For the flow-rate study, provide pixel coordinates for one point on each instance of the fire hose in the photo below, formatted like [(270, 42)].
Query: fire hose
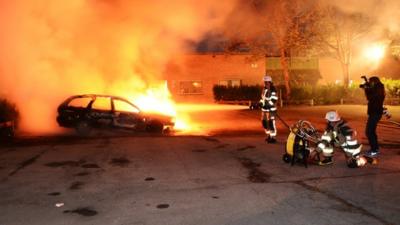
[(297, 145), (302, 129)]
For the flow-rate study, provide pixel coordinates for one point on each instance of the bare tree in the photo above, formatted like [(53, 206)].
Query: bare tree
[(290, 24), (281, 28), (338, 33)]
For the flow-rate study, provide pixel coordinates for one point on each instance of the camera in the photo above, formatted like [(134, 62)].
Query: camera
[(366, 83)]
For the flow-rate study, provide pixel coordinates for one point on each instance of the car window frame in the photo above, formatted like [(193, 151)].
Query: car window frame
[(126, 101), (68, 104), (102, 110)]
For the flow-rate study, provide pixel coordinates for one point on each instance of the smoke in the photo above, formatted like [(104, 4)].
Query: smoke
[(383, 29), (384, 13), (53, 49)]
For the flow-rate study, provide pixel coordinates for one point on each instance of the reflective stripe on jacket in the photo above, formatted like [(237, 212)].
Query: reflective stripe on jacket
[(269, 99)]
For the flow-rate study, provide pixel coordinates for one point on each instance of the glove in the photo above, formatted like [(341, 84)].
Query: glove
[(321, 145), (261, 103), (386, 113)]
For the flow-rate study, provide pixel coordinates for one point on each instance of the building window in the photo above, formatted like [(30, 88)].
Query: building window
[(230, 83), (191, 87)]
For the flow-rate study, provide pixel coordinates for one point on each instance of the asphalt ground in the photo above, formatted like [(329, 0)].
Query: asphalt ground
[(226, 175)]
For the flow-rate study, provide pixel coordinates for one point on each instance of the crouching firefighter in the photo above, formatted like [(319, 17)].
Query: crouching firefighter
[(339, 134), (268, 102)]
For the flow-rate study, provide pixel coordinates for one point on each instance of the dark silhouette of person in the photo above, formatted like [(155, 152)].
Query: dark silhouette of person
[(375, 93)]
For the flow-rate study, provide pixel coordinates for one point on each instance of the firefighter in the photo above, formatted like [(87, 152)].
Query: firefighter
[(339, 134), (268, 102)]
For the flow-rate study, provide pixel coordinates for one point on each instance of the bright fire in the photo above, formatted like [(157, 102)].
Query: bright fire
[(189, 118), (158, 99), (52, 50), (375, 52)]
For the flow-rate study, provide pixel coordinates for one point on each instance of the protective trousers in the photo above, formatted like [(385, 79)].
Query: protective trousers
[(268, 122)]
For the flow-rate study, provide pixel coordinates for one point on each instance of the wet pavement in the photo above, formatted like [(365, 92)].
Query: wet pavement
[(230, 176)]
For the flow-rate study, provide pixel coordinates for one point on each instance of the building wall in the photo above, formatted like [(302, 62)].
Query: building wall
[(207, 70), (301, 70), (191, 78), (330, 70)]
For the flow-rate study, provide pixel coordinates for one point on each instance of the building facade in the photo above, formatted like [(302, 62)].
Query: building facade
[(191, 78)]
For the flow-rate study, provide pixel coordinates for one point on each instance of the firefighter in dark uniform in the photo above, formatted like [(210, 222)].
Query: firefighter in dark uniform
[(339, 134), (268, 102), (375, 93)]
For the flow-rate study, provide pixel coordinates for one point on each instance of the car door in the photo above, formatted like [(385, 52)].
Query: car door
[(73, 110), (101, 111), (125, 114)]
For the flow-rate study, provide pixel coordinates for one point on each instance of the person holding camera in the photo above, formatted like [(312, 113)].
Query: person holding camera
[(375, 93)]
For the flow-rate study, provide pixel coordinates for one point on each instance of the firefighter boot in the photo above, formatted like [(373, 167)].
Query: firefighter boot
[(270, 139), (326, 161)]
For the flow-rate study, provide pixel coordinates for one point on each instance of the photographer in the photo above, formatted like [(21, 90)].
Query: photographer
[(375, 93)]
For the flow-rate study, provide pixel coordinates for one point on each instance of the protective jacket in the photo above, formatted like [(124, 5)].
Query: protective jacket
[(340, 135), (269, 99)]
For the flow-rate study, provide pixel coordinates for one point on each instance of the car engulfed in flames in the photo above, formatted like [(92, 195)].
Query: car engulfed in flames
[(85, 112)]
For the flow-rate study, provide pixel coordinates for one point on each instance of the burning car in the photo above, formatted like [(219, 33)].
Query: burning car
[(84, 112)]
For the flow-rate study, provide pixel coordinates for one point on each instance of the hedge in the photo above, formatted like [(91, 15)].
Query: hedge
[(321, 94)]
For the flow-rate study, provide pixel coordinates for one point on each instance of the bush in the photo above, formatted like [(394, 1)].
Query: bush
[(355, 94), (329, 94), (8, 111), (322, 94), (301, 92), (392, 88)]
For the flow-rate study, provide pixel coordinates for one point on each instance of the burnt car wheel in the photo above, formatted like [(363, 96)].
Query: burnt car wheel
[(83, 128), (155, 127)]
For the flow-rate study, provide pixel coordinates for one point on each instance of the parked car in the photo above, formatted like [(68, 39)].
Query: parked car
[(9, 118), (6, 129), (84, 112)]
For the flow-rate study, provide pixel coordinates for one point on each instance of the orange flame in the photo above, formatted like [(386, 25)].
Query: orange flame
[(51, 51), (158, 99)]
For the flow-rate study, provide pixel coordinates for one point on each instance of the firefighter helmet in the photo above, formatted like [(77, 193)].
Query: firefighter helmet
[(332, 116), (267, 78)]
